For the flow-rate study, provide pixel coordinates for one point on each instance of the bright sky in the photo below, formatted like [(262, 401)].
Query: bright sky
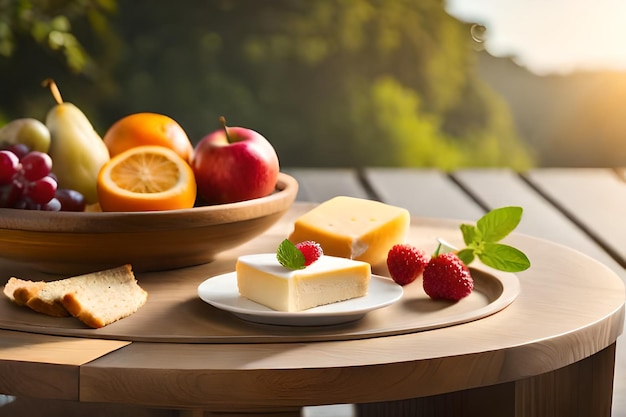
[(551, 36)]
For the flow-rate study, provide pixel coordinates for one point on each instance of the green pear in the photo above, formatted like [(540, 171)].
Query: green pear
[(27, 131), (76, 149)]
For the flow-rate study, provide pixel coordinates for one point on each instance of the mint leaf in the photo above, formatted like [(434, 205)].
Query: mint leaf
[(466, 255), (289, 256), (503, 257), (481, 241), (498, 223), (470, 234)]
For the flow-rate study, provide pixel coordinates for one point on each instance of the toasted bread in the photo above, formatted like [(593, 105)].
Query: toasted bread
[(20, 291), (104, 297), (97, 298)]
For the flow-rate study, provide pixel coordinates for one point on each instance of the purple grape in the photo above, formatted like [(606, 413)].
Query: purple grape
[(10, 194), (71, 200), (27, 183), (42, 190), (36, 165), (19, 149), (9, 165)]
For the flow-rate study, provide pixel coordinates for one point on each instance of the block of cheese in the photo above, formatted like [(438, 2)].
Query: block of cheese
[(262, 279), (353, 228)]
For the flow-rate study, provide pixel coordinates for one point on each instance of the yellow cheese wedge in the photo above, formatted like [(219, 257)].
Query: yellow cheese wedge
[(353, 228), (328, 280)]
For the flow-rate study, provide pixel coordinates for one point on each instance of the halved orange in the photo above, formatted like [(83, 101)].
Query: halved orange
[(146, 129), (146, 178)]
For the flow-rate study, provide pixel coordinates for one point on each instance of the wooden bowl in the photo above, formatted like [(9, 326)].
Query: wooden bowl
[(74, 243)]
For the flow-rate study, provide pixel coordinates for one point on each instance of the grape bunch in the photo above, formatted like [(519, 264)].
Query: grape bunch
[(27, 182)]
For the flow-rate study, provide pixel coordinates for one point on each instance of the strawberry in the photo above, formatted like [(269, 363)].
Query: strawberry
[(405, 263), (311, 250), (447, 277)]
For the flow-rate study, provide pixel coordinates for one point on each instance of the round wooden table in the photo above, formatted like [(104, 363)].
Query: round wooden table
[(547, 351)]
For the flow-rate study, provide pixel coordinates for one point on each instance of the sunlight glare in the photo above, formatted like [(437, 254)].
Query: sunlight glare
[(556, 36)]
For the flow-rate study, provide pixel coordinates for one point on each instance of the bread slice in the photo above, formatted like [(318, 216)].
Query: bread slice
[(48, 299), (101, 298), (20, 291), (97, 299)]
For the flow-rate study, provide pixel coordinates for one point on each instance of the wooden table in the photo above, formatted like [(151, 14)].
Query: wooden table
[(550, 353)]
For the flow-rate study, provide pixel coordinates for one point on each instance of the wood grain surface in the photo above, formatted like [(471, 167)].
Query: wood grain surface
[(47, 366)]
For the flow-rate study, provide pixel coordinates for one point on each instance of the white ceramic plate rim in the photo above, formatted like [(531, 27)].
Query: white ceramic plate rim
[(221, 292)]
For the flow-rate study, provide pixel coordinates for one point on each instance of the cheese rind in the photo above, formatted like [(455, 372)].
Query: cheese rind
[(353, 228), (262, 279)]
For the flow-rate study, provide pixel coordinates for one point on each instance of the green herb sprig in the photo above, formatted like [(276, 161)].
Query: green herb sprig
[(289, 255), (482, 241)]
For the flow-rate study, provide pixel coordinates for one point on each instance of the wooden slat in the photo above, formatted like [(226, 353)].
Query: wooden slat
[(319, 185), (594, 198), (46, 366), (498, 188), (424, 192), (55, 350)]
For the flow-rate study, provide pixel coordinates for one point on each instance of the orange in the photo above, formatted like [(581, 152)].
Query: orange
[(146, 178), (141, 129)]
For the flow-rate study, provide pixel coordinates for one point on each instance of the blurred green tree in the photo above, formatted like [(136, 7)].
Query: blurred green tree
[(47, 38), (329, 83)]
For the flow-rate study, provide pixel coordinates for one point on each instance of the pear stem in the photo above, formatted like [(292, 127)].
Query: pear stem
[(49, 82), (223, 122)]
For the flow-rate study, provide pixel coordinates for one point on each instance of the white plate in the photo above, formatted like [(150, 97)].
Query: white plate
[(221, 292)]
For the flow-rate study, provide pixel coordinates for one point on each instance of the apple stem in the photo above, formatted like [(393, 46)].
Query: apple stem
[(49, 82), (223, 122)]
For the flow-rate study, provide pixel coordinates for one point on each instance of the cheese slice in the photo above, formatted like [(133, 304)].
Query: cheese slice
[(262, 279), (353, 228)]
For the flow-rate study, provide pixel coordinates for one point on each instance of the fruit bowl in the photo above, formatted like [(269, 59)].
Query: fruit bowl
[(74, 243)]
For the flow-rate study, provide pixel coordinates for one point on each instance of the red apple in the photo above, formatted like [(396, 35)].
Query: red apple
[(234, 164)]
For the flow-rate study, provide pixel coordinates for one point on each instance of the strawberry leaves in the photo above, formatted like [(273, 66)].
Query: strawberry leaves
[(482, 241)]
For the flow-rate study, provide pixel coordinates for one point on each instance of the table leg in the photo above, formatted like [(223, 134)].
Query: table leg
[(583, 389), (489, 401)]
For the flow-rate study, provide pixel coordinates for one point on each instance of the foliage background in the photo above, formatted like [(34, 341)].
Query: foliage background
[(329, 83)]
